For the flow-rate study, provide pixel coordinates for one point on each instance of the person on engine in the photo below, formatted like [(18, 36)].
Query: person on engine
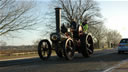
[(84, 25)]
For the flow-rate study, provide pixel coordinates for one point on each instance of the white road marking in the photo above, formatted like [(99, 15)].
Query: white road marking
[(116, 66)]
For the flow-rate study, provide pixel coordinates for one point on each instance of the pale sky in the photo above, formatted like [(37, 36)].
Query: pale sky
[(115, 13)]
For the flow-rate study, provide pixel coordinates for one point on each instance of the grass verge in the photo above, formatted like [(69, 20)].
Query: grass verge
[(27, 54)]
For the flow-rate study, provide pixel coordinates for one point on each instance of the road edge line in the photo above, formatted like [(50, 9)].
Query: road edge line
[(115, 66)]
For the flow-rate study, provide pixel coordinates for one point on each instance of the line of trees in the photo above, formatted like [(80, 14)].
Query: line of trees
[(105, 37)]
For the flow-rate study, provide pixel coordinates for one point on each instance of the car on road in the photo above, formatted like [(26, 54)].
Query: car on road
[(123, 46)]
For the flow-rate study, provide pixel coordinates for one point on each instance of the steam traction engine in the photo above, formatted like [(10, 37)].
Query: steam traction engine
[(65, 44)]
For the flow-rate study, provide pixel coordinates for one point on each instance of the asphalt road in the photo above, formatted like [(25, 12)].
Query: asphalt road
[(100, 61)]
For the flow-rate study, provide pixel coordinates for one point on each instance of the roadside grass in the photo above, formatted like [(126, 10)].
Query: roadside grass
[(10, 54), (13, 54), (102, 49), (19, 54)]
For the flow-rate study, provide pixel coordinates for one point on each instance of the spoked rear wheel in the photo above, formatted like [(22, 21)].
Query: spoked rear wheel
[(87, 46), (89, 43), (44, 49), (68, 49)]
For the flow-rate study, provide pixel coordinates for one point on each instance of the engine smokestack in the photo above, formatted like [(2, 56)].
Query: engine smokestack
[(58, 20)]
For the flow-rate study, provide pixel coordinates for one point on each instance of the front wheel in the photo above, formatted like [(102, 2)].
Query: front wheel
[(68, 49), (44, 49)]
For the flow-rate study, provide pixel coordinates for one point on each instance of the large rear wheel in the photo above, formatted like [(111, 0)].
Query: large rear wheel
[(44, 49), (87, 45)]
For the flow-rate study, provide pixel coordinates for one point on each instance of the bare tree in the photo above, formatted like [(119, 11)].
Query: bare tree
[(79, 10), (15, 16), (109, 37), (116, 39), (113, 37), (99, 33)]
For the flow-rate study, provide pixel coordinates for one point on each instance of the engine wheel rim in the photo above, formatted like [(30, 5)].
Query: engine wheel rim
[(89, 44), (69, 48), (44, 49)]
